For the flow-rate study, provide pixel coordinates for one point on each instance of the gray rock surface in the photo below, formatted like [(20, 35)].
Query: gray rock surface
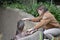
[(8, 22), (35, 36)]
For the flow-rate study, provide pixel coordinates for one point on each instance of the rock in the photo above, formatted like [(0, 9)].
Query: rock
[(1, 36), (8, 22), (35, 36)]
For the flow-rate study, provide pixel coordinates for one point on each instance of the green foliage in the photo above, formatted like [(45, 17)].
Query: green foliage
[(32, 9), (54, 10)]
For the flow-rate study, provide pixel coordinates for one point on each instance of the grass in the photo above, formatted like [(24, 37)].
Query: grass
[(41, 36)]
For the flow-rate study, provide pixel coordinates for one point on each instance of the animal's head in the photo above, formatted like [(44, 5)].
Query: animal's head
[(20, 25)]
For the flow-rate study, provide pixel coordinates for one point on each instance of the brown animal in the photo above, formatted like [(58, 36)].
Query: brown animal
[(47, 21)]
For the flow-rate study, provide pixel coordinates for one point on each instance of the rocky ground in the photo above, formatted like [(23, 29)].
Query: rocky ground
[(8, 22)]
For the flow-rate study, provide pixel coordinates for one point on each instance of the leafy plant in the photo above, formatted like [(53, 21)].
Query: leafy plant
[(32, 9), (54, 10)]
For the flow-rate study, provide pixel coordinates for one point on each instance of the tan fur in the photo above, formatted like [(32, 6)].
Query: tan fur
[(47, 21)]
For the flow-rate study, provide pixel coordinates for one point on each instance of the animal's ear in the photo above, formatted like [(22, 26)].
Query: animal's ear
[(20, 23)]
